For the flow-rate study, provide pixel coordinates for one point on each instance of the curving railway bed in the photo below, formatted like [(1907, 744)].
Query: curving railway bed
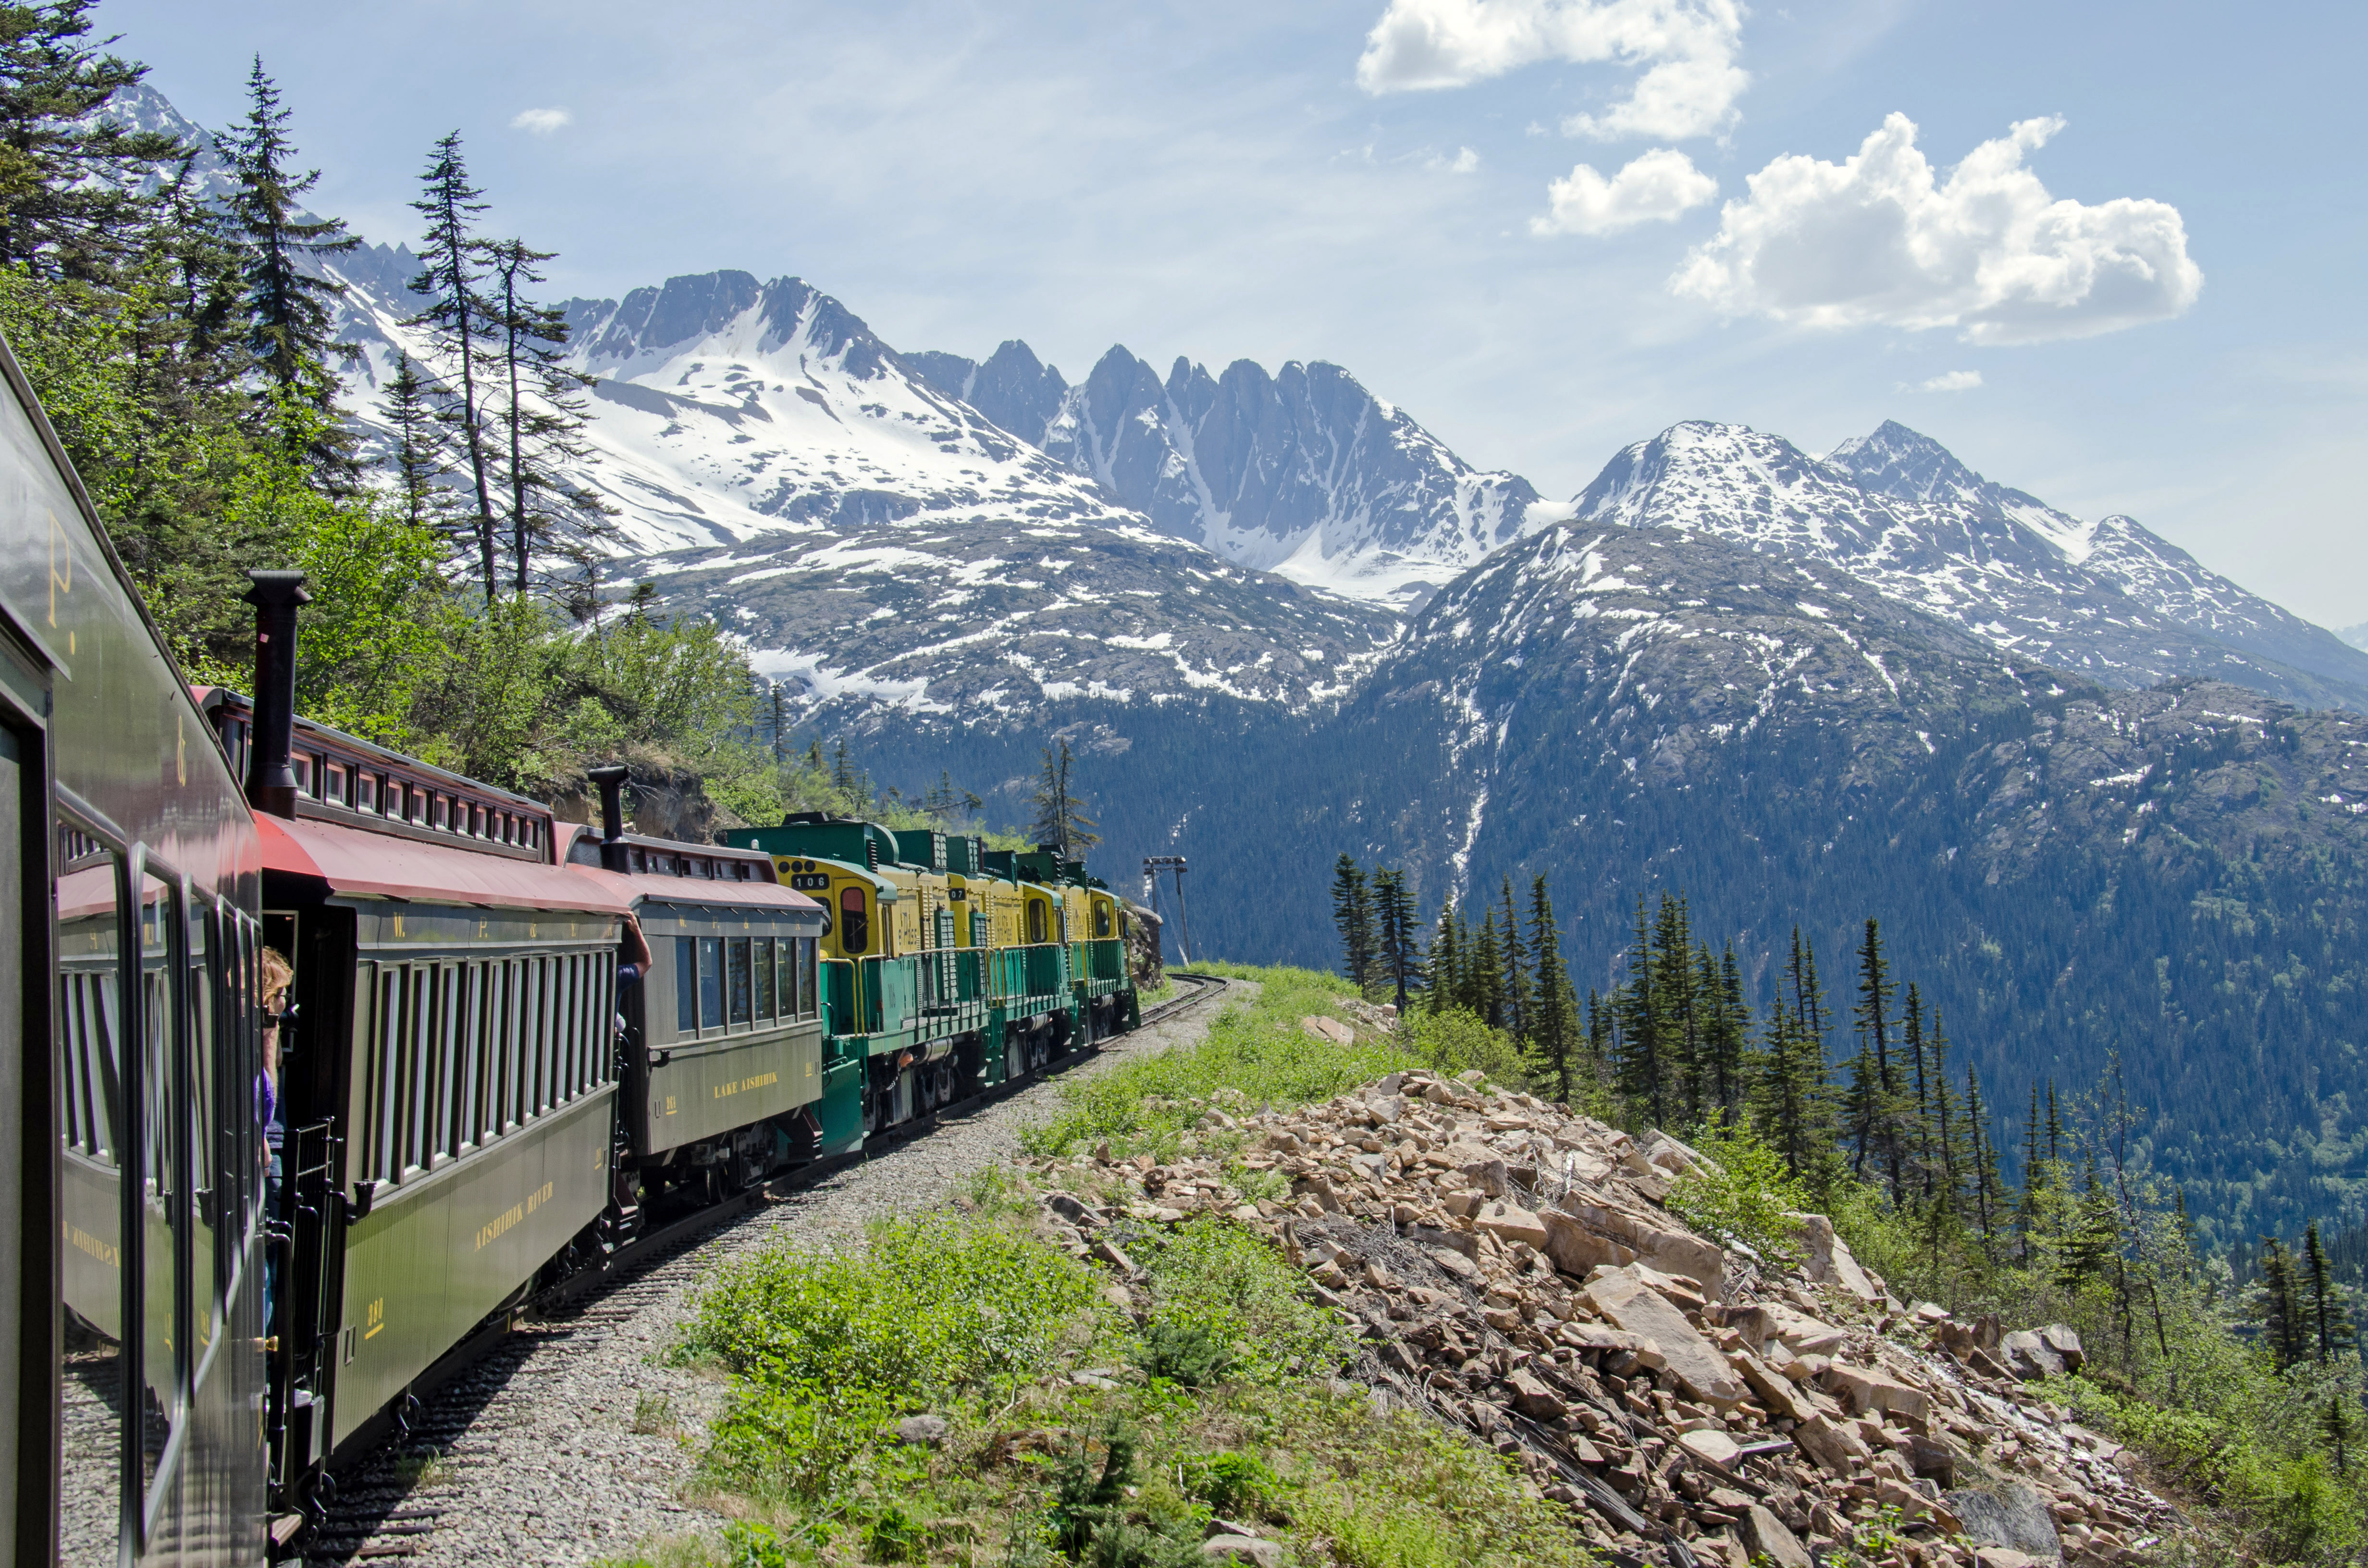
[(519, 1058)]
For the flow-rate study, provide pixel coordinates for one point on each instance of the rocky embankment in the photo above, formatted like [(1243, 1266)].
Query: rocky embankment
[(1516, 1274)]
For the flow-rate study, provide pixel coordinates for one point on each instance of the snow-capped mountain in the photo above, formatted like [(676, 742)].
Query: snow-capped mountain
[(2355, 635), (1304, 473), (1895, 510), (1897, 461)]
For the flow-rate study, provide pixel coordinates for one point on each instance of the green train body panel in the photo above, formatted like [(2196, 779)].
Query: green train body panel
[(439, 1251)]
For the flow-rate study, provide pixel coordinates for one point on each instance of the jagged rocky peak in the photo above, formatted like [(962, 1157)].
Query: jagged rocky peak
[(729, 310), (1012, 386)]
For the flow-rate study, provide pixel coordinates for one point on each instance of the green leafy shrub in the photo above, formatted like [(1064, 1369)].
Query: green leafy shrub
[(925, 1309), (1742, 1194), (1236, 1486), (1183, 1351), (1458, 1041), (1214, 1283)]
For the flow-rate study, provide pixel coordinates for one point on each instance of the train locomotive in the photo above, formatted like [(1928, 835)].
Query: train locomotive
[(513, 1045)]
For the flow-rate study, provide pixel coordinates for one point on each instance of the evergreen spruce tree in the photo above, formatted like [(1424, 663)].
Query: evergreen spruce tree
[(2286, 1330), (422, 454), (1602, 1043), (457, 312), (72, 202), (286, 300), (1789, 1094), (1989, 1190), (1059, 818), (1446, 961), (1730, 1032), (2094, 1234), (2035, 1174), (2339, 1427), (1400, 954), (540, 417), (1352, 916), (1487, 975), (2331, 1324), (1881, 1127), (1641, 1073), (1672, 984), (1553, 1039), (1514, 955)]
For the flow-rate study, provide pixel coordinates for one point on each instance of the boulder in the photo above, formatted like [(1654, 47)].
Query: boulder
[(1836, 1446), (1331, 1031), (2029, 1356), (1508, 1221), (1869, 1394), (1243, 1548), (1534, 1399), (1577, 1251), (2014, 1517), (2060, 1338), (1639, 1240), (1702, 1371), (1830, 1260), (1775, 1391), (1764, 1536), (930, 1430), (1714, 1446)]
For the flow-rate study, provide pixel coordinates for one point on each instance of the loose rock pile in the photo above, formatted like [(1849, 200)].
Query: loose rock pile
[(1516, 1274)]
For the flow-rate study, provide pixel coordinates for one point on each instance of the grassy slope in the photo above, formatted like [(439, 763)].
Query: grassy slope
[(1078, 1429)]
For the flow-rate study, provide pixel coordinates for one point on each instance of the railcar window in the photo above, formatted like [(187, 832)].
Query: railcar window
[(761, 951), (365, 791), (809, 998), (743, 995), (89, 982), (854, 926), (686, 987), (785, 976), (163, 1186), (539, 1015), (711, 982), (506, 1046), (571, 1070), (199, 1117), (418, 1051)]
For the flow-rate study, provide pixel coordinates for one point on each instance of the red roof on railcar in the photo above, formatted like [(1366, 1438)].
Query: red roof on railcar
[(374, 865)]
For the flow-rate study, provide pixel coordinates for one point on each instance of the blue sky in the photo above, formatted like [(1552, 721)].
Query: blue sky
[(2161, 297)]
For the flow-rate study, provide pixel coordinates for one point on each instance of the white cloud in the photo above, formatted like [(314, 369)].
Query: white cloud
[(1879, 240), (1465, 162), (1948, 381), (1656, 187), (541, 121), (1687, 49)]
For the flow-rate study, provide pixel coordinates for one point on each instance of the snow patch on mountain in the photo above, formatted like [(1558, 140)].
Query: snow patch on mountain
[(1899, 513)]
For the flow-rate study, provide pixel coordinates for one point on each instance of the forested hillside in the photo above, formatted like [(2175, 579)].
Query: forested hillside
[(2174, 874)]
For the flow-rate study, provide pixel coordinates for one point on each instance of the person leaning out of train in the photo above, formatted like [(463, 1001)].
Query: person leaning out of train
[(630, 973), (275, 980)]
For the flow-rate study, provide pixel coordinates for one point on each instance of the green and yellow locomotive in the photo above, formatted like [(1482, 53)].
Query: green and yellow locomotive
[(950, 967)]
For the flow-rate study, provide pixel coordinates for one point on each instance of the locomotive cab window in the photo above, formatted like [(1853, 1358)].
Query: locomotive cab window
[(1036, 931), (854, 924)]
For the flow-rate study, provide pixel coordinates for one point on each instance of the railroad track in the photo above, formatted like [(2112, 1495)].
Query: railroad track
[(386, 1505)]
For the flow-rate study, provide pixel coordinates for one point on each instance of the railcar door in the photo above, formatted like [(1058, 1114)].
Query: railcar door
[(28, 1369)]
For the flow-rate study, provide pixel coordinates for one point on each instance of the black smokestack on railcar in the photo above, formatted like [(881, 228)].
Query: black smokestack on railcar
[(611, 778), (270, 782)]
